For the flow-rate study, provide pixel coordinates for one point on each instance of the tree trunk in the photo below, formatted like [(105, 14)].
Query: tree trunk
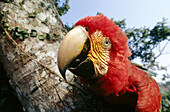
[(38, 88)]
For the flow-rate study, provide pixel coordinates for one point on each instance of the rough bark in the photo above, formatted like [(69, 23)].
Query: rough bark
[(37, 88)]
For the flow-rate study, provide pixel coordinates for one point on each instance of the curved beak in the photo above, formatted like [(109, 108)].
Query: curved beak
[(73, 50)]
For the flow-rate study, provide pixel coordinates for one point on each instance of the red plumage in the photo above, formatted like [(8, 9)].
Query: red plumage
[(124, 83)]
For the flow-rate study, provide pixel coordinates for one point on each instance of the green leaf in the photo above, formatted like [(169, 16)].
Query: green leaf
[(21, 38), (41, 37), (42, 4), (48, 36), (33, 33)]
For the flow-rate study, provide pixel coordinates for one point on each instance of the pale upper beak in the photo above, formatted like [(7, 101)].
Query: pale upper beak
[(71, 47)]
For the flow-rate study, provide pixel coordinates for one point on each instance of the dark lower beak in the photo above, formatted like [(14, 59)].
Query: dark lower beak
[(72, 54)]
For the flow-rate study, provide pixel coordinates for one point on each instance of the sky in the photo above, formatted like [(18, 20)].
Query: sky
[(137, 14)]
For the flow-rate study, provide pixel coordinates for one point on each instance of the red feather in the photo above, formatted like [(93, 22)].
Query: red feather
[(124, 83)]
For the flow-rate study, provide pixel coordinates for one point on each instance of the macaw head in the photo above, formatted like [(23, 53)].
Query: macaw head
[(92, 47)]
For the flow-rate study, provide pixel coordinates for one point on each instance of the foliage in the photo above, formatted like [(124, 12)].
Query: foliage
[(68, 28), (143, 41), (166, 102), (62, 6), (165, 97)]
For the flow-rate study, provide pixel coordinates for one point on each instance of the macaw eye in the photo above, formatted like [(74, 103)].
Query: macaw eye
[(87, 29), (107, 43)]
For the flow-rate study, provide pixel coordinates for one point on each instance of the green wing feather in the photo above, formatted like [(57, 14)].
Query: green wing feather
[(145, 69)]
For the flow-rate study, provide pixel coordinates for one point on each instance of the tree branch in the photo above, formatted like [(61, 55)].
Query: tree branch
[(161, 51)]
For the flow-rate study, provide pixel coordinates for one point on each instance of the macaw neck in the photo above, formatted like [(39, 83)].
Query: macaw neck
[(139, 80), (116, 79), (120, 79)]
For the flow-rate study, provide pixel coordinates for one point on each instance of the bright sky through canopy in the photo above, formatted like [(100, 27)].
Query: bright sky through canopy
[(136, 12)]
